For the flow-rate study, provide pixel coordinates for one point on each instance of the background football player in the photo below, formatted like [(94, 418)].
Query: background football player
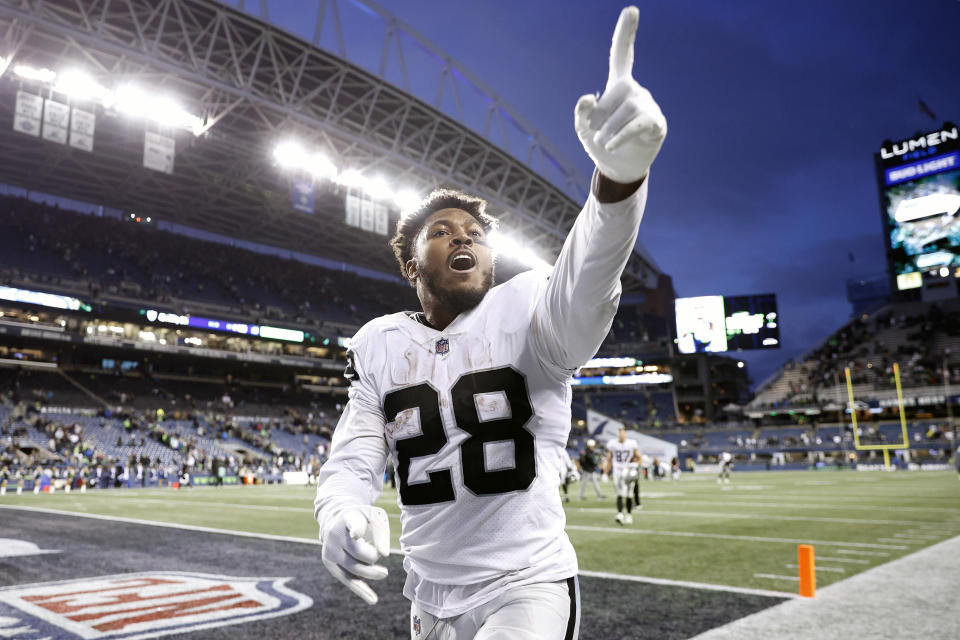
[(589, 463), (471, 396), (726, 464), (623, 466)]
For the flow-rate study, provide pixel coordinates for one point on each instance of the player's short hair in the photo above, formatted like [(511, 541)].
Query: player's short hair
[(410, 223)]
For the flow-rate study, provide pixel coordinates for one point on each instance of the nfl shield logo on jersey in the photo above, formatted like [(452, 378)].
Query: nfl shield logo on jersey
[(142, 605), (443, 346), (416, 625)]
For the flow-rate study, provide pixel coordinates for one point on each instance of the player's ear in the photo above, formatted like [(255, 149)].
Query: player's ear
[(412, 270)]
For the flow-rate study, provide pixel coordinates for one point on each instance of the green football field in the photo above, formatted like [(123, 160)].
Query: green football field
[(744, 534)]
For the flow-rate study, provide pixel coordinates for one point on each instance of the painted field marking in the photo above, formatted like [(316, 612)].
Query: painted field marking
[(394, 551), (863, 553), (693, 585), (723, 536), (819, 568), (805, 505), (166, 525), (856, 560), (750, 516), (815, 483), (773, 576), (899, 540), (921, 536), (232, 505)]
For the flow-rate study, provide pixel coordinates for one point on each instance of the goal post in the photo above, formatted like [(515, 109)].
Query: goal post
[(886, 448)]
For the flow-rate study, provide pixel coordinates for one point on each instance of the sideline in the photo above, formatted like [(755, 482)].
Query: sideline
[(910, 597), (393, 551)]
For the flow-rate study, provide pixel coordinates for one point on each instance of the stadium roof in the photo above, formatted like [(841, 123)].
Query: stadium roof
[(253, 85)]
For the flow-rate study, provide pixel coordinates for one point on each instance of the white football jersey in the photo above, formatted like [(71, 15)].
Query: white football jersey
[(476, 417), (622, 453)]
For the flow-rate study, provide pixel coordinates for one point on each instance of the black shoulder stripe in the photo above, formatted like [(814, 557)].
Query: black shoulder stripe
[(350, 371)]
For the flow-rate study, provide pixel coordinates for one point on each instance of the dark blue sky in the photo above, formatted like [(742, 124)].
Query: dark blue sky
[(766, 180)]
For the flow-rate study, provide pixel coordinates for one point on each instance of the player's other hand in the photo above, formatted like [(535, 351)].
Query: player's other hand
[(623, 130), (353, 542)]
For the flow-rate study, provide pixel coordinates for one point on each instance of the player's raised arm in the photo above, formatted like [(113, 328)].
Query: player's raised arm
[(622, 132)]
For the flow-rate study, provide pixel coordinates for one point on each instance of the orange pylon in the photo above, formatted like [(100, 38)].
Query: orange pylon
[(808, 570)]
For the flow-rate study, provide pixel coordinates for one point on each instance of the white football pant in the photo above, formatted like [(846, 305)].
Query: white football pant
[(623, 486), (542, 611)]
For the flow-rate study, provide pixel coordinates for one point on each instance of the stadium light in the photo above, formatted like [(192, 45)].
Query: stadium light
[(33, 73), (504, 245), (379, 188), (78, 84), (289, 155), (164, 110), (320, 166), (405, 199)]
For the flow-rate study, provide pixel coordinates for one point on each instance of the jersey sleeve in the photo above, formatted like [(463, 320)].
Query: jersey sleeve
[(358, 454), (581, 296)]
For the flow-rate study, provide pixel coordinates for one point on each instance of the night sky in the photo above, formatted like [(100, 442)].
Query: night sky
[(766, 180)]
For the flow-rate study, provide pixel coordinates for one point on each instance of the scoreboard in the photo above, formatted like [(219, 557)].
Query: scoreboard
[(919, 182), (715, 324)]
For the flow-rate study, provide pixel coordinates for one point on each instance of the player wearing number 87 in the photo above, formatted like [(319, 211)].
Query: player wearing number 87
[(471, 396)]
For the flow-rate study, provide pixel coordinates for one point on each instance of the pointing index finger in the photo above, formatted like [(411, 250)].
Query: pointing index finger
[(621, 50)]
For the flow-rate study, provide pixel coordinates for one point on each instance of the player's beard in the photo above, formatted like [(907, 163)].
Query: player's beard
[(460, 299)]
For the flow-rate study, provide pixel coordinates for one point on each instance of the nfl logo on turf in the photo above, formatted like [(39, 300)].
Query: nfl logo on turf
[(443, 346), (416, 625), (142, 605)]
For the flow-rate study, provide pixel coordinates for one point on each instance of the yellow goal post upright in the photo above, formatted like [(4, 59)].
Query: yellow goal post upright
[(905, 444)]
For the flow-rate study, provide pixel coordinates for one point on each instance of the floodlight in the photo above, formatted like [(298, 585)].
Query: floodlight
[(351, 178), (378, 188), (289, 154), (406, 199), (322, 167), (78, 84), (164, 110), (504, 245), (33, 73)]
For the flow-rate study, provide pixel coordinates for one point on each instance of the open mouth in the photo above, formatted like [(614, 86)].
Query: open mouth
[(463, 261)]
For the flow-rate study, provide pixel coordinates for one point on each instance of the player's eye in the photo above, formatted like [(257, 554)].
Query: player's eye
[(438, 232)]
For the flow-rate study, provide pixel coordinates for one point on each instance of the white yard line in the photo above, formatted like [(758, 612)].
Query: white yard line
[(692, 585), (168, 525), (749, 516), (774, 576), (722, 536), (819, 568), (782, 504), (832, 559), (900, 540), (863, 553), (311, 541)]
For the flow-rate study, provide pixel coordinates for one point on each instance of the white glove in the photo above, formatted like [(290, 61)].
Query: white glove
[(604, 478), (623, 131), (352, 543)]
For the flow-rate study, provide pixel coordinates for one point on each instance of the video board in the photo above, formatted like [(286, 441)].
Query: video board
[(716, 324), (919, 181)]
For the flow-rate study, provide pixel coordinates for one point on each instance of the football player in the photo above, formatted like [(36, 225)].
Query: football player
[(623, 465), (568, 473), (470, 397), (726, 463), (589, 464)]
